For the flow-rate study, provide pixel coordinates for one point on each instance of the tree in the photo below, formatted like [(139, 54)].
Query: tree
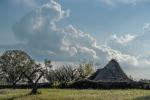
[(68, 73), (51, 77), (12, 64), (84, 70), (48, 63), (17, 64), (71, 72), (37, 71), (62, 75)]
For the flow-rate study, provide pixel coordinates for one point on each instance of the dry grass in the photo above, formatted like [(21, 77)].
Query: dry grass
[(63, 94)]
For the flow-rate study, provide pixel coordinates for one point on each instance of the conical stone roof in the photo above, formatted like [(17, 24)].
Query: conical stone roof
[(111, 72)]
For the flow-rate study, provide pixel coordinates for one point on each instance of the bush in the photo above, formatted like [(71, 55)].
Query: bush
[(86, 84)]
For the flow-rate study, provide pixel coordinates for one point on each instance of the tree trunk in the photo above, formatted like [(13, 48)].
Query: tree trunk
[(14, 85), (34, 89)]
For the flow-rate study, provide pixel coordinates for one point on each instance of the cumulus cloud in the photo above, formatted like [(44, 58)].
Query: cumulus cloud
[(137, 44), (40, 36), (127, 38), (108, 53), (134, 2)]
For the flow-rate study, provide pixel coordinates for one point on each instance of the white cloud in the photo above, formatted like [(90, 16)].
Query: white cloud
[(146, 26), (109, 53), (43, 38), (145, 61), (127, 38)]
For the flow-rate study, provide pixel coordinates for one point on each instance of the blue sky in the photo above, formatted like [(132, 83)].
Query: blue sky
[(72, 30)]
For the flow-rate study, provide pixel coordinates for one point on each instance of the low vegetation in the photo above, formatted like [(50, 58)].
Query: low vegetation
[(63, 94)]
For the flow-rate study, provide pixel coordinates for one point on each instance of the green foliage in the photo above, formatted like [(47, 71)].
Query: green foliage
[(62, 75), (62, 94), (13, 63), (16, 65), (66, 74), (131, 78), (85, 70)]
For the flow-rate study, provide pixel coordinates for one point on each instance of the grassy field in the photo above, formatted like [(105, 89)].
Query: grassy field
[(60, 94)]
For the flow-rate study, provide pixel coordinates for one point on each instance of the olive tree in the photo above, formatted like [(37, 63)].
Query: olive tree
[(84, 71), (17, 64), (62, 74), (37, 71), (12, 64)]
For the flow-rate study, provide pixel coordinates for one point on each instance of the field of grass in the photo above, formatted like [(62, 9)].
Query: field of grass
[(63, 94)]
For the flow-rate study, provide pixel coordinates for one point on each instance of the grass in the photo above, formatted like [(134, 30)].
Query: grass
[(63, 94)]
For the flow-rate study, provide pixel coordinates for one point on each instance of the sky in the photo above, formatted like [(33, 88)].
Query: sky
[(77, 30)]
